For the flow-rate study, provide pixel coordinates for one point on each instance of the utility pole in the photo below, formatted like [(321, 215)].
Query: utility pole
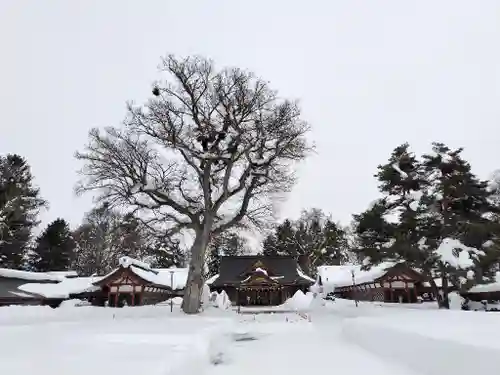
[(354, 287), (171, 290)]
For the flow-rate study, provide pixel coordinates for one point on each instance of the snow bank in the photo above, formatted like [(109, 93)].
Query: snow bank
[(222, 301), (431, 342), (27, 315)]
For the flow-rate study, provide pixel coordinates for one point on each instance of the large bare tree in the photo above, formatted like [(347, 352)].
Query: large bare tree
[(208, 152)]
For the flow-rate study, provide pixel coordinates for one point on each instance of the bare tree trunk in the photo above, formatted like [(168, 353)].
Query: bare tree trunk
[(194, 286), (435, 291)]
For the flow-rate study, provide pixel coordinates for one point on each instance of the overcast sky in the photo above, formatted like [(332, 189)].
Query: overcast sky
[(369, 74)]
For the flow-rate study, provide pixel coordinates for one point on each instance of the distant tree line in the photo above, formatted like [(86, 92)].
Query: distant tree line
[(314, 239)]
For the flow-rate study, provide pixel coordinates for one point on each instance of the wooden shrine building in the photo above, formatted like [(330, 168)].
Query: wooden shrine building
[(135, 283), (387, 282), (259, 280)]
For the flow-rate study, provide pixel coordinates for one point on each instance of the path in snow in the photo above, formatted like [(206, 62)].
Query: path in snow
[(298, 347)]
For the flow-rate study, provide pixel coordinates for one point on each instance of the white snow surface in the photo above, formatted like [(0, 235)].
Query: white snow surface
[(126, 262), (447, 252), (152, 340)]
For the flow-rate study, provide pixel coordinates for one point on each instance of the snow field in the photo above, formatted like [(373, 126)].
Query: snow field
[(88, 340), (430, 342), (288, 344)]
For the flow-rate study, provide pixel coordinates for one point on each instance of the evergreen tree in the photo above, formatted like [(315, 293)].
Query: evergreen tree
[(281, 242), (224, 244), (166, 253), (313, 240), (20, 203), (130, 238), (54, 248), (214, 251), (435, 215)]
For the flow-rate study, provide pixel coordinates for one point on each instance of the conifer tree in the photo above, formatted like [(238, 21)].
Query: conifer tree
[(313, 240), (54, 248), (224, 244), (20, 203), (166, 253), (435, 216)]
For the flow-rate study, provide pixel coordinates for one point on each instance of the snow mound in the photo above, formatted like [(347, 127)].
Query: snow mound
[(299, 301), (455, 301), (222, 301), (205, 296)]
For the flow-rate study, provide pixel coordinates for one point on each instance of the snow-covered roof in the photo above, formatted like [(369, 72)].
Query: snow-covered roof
[(63, 289), (303, 275), (27, 275), (340, 276), (171, 277), (210, 280), (486, 288), (168, 277), (63, 273), (126, 262)]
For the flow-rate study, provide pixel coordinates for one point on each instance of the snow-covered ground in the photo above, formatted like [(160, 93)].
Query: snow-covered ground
[(371, 338)]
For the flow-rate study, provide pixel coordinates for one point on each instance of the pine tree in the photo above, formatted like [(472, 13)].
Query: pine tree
[(166, 253), (225, 244), (54, 248), (20, 203), (313, 240), (130, 238), (434, 214), (281, 242), (214, 253), (269, 246), (459, 221)]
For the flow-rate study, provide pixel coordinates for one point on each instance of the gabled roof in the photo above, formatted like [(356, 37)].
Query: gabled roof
[(235, 269), (167, 278)]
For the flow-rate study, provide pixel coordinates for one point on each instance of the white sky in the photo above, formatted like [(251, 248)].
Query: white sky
[(370, 75)]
